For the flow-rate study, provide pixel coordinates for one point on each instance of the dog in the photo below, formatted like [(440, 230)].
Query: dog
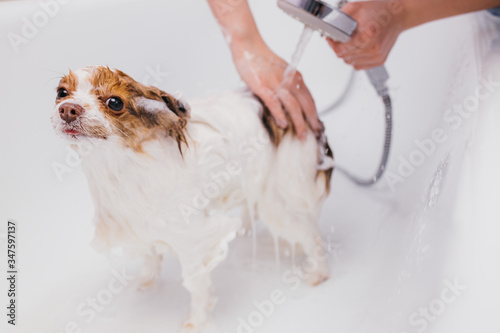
[(166, 176)]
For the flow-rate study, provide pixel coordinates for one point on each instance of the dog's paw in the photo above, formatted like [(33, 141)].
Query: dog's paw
[(319, 276), (197, 322), (316, 279), (190, 326), (147, 283)]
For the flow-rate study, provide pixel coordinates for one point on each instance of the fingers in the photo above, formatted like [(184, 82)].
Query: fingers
[(284, 94), (272, 101), (368, 64), (306, 101), (299, 104), (373, 57), (370, 56), (341, 49), (294, 111), (350, 8), (292, 97)]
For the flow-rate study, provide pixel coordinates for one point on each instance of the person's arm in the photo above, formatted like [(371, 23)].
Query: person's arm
[(263, 71), (381, 23), (422, 11)]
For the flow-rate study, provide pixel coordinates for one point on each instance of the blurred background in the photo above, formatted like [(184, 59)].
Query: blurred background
[(395, 248)]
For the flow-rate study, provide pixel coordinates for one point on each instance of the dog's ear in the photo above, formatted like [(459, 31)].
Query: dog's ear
[(152, 103), (162, 111), (176, 105), (173, 103)]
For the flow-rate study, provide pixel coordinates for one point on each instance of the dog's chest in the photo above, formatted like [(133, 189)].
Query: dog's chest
[(126, 185)]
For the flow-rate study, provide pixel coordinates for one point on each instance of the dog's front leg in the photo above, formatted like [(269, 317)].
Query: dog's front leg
[(151, 270), (207, 249), (198, 282)]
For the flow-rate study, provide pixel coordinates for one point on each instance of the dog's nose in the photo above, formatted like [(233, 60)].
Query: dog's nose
[(70, 111)]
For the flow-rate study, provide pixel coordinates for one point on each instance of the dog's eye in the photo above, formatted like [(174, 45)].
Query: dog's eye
[(61, 93), (115, 104)]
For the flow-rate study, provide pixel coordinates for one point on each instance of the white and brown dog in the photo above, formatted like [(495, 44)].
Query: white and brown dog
[(168, 177)]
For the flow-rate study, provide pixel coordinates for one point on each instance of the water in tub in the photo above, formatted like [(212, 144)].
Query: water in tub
[(409, 255)]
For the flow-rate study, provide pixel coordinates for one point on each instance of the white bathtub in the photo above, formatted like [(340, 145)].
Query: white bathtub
[(395, 249)]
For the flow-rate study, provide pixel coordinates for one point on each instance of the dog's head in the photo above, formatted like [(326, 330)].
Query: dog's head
[(100, 103)]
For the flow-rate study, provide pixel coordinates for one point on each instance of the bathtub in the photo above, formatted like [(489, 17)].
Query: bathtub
[(416, 252)]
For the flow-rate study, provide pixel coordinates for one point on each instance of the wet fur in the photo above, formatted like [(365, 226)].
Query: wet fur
[(276, 134), (150, 162)]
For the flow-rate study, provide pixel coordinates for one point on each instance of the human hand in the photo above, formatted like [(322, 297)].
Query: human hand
[(264, 73), (379, 25)]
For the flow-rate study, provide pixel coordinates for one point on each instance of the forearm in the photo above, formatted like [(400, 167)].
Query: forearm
[(286, 97), (236, 21), (422, 11)]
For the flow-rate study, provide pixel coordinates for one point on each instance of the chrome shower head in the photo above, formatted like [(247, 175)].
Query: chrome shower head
[(321, 16)]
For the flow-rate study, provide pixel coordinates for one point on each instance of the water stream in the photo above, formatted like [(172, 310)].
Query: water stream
[(305, 37)]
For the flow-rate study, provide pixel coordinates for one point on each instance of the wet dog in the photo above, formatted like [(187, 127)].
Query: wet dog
[(168, 176)]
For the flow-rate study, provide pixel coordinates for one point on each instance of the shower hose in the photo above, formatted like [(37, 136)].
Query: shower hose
[(378, 78)]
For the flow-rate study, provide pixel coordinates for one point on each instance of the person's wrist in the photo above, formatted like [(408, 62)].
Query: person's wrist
[(245, 41), (403, 16), (244, 49), (414, 13)]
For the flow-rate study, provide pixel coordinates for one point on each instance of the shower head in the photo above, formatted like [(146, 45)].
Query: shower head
[(334, 23), (321, 16)]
